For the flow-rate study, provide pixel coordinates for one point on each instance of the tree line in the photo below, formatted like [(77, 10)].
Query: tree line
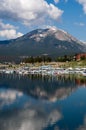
[(40, 59), (37, 59)]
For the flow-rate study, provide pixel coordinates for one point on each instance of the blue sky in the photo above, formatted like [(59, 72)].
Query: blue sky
[(21, 16)]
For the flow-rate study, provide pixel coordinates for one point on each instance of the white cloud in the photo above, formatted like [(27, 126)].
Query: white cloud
[(66, 0), (9, 31), (79, 24), (83, 3), (29, 11), (56, 1), (10, 34), (7, 26), (52, 12)]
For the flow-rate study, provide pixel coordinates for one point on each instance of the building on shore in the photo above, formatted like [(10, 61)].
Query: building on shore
[(80, 56)]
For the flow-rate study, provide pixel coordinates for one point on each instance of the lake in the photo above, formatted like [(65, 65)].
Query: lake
[(42, 102)]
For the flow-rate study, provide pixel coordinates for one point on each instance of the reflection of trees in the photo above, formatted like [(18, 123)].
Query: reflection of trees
[(45, 87), (80, 81)]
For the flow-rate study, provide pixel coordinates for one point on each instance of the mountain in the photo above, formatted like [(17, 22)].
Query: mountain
[(52, 41)]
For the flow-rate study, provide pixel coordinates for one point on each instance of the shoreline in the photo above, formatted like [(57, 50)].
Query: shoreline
[(51, 68)]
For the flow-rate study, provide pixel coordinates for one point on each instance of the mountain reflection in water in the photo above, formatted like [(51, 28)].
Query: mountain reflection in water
[(42, 103)]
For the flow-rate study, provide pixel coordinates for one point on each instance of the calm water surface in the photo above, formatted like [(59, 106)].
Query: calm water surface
[(42, 103)]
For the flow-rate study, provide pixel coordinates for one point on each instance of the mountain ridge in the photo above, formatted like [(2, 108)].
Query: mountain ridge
[(52, 41)]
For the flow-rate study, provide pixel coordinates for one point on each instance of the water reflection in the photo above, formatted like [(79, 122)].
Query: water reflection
[(8, 96), (48, 88), (30, 118), (42, 103), (83, 127)]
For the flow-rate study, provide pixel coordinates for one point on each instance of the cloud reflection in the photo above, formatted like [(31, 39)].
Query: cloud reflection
[(83, 127), (7, 96), (30, 118)]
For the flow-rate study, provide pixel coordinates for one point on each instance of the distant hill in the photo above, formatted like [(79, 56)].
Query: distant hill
[(51, 41)]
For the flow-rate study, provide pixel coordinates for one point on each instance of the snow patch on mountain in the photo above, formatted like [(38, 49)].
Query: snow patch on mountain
[(53, 32)]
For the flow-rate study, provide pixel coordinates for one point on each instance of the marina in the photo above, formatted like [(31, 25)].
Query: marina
[(44, 70)]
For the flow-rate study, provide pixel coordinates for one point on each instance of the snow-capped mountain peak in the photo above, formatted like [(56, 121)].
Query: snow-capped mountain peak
[(52, 41), (57, 33)]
